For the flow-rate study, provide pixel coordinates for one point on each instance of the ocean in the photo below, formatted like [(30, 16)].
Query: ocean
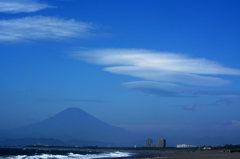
[(89, 155)]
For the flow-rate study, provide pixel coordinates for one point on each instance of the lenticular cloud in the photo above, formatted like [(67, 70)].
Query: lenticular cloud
[(42, 28), (158, 66), (18, 6)]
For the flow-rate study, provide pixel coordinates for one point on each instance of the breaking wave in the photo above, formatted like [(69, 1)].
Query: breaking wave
[(72, 156)]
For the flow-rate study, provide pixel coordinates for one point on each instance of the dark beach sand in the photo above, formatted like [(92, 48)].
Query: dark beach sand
[(202, 155), (190, 155)]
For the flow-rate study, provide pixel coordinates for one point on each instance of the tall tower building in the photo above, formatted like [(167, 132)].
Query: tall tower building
[(148, 142), (162, 142)]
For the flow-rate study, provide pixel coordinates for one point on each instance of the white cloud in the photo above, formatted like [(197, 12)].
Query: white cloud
[(173, 90), (225, 101), (42, 28), (190, 107), (232, 123), (17, 6), (158, 66), (235, 122)]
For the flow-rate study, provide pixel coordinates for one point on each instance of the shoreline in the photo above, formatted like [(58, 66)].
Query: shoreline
[(139, 153)]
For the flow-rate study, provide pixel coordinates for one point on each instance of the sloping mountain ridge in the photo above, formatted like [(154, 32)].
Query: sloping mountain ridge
[(31, 141), (72, 124)]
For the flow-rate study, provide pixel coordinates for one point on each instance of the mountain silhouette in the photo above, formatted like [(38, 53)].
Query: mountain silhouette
[(72, 124), (31, 141)]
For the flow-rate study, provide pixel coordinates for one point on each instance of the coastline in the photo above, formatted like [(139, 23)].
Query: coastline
[(134, 153)]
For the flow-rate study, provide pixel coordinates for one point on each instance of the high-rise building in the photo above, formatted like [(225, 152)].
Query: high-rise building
[(161, 143), (148, 142)]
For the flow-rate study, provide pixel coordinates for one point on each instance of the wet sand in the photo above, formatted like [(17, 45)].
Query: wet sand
[(194, 155), (202, 155), (215, 154)]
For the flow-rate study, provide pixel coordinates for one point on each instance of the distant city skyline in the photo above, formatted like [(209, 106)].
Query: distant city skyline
[(157, 68), (160, 144)]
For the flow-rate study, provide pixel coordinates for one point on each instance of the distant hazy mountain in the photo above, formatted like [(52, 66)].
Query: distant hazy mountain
[(31, 141), (72, 124)]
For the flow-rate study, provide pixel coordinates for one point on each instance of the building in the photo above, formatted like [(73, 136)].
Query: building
[(161, 143), (206, 148), (186, 146), (148, 142)]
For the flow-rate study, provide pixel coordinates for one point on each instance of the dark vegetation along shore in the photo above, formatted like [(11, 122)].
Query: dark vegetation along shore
[(169, 152)]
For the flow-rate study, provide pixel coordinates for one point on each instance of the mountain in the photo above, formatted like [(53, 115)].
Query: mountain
[(52, 142), (72, 124), (31, 141)]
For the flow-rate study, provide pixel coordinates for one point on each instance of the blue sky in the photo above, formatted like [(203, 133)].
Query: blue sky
[(147, 66)]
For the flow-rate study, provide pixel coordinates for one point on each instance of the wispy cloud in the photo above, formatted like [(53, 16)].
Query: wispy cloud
[(226, 101), (190, 107), (18, 6), (158, 66), (233, 123), (70, 100), (173, 90), (218, 103), (42, 28)]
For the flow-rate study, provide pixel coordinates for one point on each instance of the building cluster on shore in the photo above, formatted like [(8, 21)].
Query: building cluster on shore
[(186, 146), (161, 143)]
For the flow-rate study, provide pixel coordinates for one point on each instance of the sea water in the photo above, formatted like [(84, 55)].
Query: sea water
[(73, 156)]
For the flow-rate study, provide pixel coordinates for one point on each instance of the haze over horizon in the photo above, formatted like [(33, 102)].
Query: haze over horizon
[(158, 68)]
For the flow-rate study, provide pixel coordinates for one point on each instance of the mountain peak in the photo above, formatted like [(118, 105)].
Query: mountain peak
[(73, 123), (73, 114), (72, 109)]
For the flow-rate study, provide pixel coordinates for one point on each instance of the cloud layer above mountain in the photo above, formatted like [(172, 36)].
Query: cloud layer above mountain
[(42, 28), (173, 90), (18, 6), (158, 66)]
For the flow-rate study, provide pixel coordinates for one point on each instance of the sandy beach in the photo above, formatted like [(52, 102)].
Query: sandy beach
[(215, 154), (201, 155)]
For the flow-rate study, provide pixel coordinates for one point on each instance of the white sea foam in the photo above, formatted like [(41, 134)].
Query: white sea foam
[(72, 156)]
